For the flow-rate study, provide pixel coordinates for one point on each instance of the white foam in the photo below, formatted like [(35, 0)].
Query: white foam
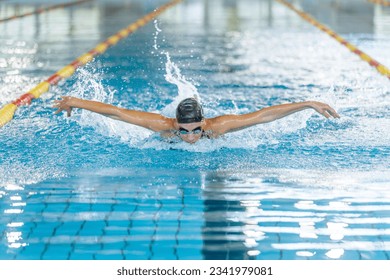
[(14, 173)]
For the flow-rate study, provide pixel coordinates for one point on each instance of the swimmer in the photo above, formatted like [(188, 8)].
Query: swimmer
[(190, 125)]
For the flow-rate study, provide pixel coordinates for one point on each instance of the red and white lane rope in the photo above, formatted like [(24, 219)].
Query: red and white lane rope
[(45, 9), (385, 3), (378, 66)]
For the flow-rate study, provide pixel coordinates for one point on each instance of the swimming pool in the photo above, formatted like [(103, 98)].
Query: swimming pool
[(88, 187)]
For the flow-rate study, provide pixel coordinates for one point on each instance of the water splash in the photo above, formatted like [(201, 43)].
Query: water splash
[(174, 76), (89, 85), (15, 172), (185, 88), (158, 30)]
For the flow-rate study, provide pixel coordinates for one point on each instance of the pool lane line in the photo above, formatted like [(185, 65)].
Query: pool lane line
[(8, 111), (378, 66), (45, 9), (380, 2)]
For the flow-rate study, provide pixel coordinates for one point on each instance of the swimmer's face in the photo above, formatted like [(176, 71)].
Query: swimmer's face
[(190, 132)]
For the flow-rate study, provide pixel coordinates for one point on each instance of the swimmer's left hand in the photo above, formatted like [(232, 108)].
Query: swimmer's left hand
[(324, 109)]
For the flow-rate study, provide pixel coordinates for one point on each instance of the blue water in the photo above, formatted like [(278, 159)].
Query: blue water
[(88, 187)]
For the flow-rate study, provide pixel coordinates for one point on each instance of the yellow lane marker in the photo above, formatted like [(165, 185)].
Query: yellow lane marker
[(8, 111), (380, 2), (379, 67)]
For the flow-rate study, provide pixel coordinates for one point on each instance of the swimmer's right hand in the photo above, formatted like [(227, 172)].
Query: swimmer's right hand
[(324, 109), (64, 105)]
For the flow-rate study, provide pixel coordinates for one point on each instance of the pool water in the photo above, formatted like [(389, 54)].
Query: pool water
[(88, 187)]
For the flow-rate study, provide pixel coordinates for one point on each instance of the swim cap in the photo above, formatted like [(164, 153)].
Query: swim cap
[(188, 111)]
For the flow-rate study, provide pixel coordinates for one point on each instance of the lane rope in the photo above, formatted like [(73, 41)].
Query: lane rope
[(8, 111), (380, 2), (378, 66), (45, 9)]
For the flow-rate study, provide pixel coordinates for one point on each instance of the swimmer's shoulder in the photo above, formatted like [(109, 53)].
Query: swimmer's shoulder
[(167, 134), (211, 128)]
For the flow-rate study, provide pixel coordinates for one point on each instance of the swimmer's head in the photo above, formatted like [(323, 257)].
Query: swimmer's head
[(189, 111)]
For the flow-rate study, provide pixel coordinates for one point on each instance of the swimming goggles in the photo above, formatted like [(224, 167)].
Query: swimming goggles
[(183, 131)]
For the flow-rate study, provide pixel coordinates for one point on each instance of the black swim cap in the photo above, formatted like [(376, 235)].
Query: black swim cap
[(188, 111)]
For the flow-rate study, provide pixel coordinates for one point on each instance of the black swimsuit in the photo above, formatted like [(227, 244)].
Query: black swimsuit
[(205, 135)]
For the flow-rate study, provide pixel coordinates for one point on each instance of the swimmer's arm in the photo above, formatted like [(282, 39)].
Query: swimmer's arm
[(152, 121), (229, 123)]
